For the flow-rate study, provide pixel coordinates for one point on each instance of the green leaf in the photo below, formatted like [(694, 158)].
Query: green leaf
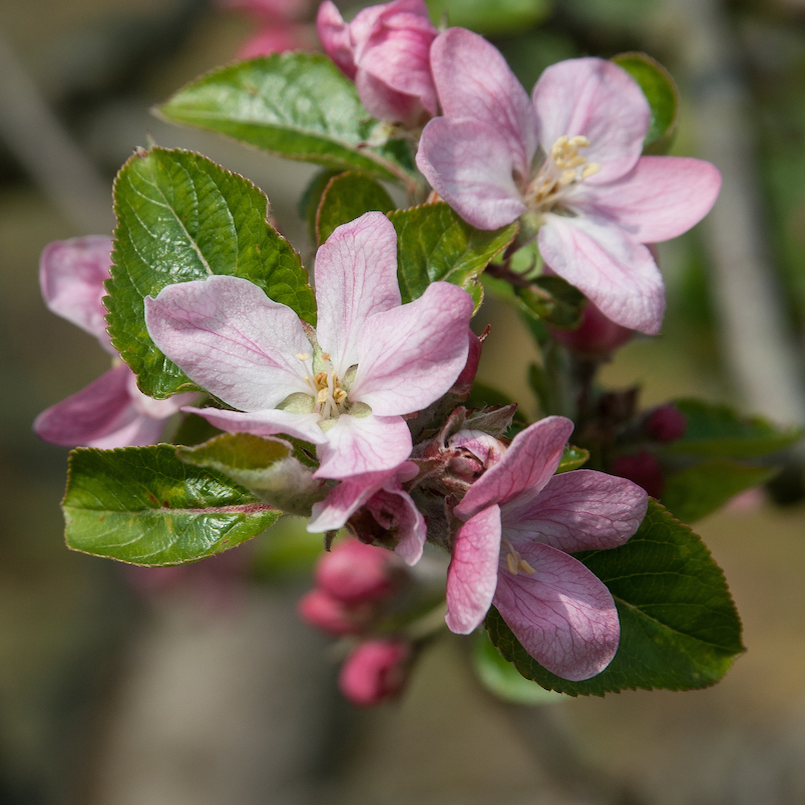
[(718, 431), (182, 217), (662, 95), (347, 197), (553, 301), (278, 471), (573, 458), (309, 202), (297, 105), (699, 490), (492, 19), (502, 679), (434, 243), (679, 626), (142, 505)]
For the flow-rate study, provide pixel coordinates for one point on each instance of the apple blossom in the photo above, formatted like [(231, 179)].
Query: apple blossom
[(568, 161), (390, 507), (520, 525), (111, 411), (353, 572), (344, 388), (386, 51)]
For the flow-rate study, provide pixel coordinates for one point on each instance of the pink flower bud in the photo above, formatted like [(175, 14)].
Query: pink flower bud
[(666, 423), (353, 572), (386, 51), (321, 610), (374, 672), (597, 337), (642, 468)]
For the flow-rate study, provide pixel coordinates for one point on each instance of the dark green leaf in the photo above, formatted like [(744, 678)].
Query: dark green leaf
[(142, 505), (718, 431), (492, 19), (297, 105), (182, 217), (554, 301), (699, 490), (434, 243), (573, 458), (347, 197), (679, 626), (662, 95), (309, 202), (502, 679)]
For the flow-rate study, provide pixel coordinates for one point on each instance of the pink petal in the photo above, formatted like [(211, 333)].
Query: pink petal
[(344, 500), (139, 432), (71, 275), (617, 273), (662, 197), (356, 277), (469, 164), (486, 448), (358, 445), (562, 614), (98, 410), (411, 355), (396, 53), (231, 339), (264, 423), (335, 39), (474, 81), (385, 103), (599, 100), (525, 468), (583, 510), (473, 572), (395, 510)]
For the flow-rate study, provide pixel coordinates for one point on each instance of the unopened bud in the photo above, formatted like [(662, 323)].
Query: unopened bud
[(353, 572), (642, 468), (375, 672), (321, 610), (665, 423), (597, 337)]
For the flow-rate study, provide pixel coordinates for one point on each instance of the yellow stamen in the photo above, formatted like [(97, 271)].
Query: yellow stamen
[(511, 563)]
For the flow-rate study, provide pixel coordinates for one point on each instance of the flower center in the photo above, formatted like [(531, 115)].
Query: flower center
[(330, 399), (564, 166), (514, 562)]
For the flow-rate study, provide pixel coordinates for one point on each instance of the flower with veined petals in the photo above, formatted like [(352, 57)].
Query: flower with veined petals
[(569, 161), (521, 522), (385, 50), (111, 411), (344, 389)]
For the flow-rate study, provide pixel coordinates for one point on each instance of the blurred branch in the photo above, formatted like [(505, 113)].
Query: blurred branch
[(758, 343), (51, 158)]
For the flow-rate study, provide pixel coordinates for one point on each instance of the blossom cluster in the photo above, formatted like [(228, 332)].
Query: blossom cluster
[(378, 389)]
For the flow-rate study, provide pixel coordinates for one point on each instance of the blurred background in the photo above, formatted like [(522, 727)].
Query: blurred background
[(126, 688)]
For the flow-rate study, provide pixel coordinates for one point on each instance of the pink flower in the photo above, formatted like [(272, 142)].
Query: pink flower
[(344, 387), (374, 672), (569, 161), (111, 411), (386, 51), (390, 506), (278, 38), (521, 524)]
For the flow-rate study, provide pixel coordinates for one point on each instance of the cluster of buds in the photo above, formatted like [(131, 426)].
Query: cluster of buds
[(355, 583)]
